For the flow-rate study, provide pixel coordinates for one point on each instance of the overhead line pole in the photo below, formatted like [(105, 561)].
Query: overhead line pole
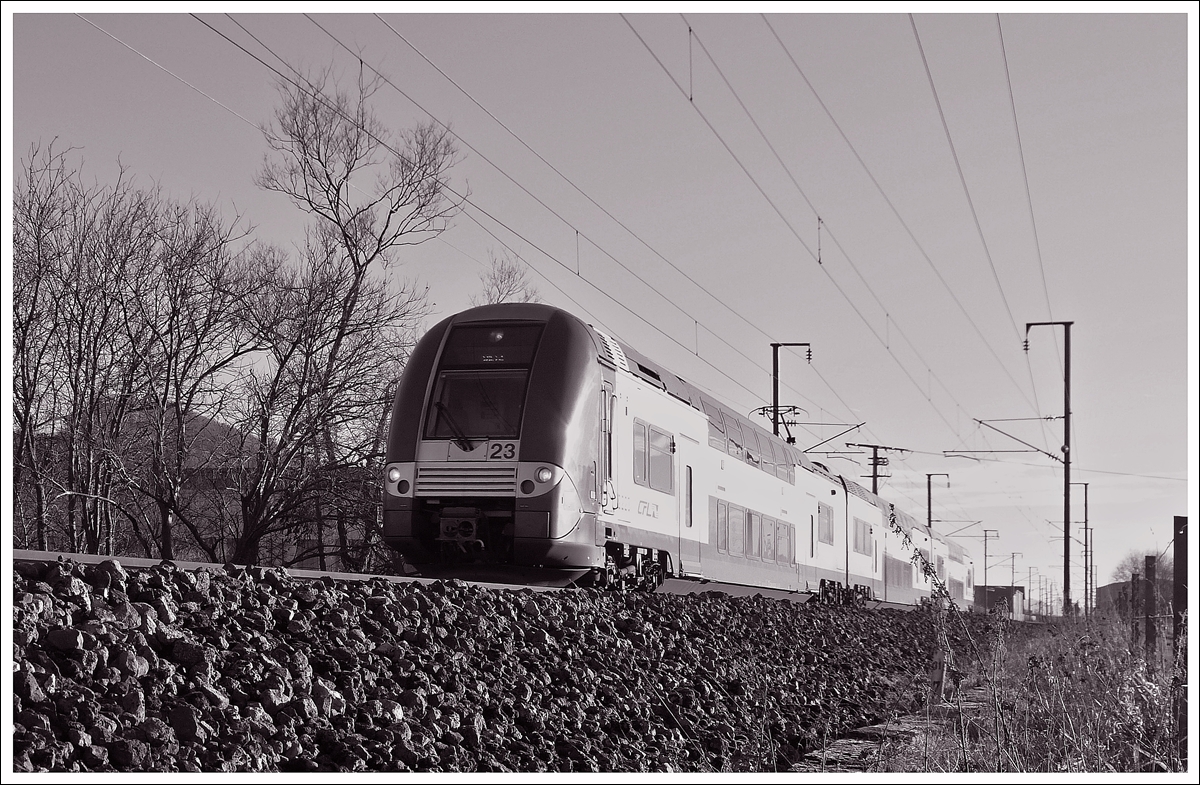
[(1087, 556), (929, 498), (775, 379), (987, 535), (876, 461), (1066, 456)]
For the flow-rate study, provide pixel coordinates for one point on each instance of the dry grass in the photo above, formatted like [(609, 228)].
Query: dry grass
[(1067, 697)]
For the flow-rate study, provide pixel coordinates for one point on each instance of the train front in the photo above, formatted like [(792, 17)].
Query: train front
[(492, 448)]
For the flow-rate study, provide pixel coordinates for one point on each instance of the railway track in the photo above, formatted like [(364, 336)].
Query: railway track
[(668, 586)]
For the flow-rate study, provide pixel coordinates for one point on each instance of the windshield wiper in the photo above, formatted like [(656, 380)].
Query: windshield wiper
[(460, 438)]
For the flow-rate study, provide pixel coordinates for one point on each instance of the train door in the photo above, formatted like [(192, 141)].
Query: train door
[(689, 538), (608, 483)]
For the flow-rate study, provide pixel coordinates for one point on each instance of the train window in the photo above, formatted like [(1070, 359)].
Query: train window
[(824, 523), (785, 548), (753, 451), (941, 568), (477, 405), (737, 530), (862, 536), (477, 346), (734, 431), (897, 572), (722, 526), (662, 461), (812, 538), (781, 460), (768, 538), (639, 452), (688, 491), (716, 437), (754, 521), (716, 429)]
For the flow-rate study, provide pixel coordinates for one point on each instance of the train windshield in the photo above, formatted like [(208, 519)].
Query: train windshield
[(481, 383)]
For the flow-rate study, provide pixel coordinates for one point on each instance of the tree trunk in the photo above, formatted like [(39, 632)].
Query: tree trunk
[(166, 543)]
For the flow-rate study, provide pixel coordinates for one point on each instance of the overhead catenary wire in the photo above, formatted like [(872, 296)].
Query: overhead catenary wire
[(1037, 243), (466, 201), (895, 212), (593, 202), (821, 223), (962, 178), (971, 205), (606, 212), (866, 322)]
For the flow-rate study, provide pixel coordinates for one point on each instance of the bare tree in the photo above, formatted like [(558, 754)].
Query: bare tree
[(371, 191), (1135, 562), (46, 195), (505, 282), (314, 388), (123, 314), (184, 299), (92, 359)]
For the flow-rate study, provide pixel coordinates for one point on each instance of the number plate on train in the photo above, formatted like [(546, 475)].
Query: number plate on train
[(502, 451)]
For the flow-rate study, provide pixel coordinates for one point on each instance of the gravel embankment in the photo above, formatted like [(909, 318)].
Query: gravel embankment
[(251, 670)]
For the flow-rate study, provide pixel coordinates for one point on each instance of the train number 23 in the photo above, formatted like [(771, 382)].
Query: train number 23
[(502, 451)]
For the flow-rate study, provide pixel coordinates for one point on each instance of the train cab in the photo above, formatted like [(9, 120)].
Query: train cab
[(494, 445)]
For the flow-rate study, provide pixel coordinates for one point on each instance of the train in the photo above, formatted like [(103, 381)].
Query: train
[(527, 446)]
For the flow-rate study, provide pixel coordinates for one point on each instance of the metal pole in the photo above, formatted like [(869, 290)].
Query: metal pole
[(1066, 457), (775, 379), (1067, 471), (987, 603), (1150, 606), (1135, 607), (929, 498), (1179, 677), (1087, 554), (775, 387), (1012, 580), (1028, 589)]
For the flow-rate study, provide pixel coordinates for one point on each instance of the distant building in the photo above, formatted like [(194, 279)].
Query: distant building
[(1011, 600), (1115, 598)]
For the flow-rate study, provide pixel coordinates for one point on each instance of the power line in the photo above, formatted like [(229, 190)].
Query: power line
[(962, 178), (787, 223), (1025, 175), (606, 212), (1012, 101), (464, 199), (168, 71), (887, 200)]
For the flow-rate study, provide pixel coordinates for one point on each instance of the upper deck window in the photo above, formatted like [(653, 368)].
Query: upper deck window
[(489, 346)]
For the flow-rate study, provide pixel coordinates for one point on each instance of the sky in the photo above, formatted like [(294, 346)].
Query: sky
[(904, 193)]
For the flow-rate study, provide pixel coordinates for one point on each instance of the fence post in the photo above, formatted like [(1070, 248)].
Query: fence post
[(1179, 637), (1135, 610), (1151, 606)]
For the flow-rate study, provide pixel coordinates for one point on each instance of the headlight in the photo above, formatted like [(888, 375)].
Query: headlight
[(393, 474), (544, 474)]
